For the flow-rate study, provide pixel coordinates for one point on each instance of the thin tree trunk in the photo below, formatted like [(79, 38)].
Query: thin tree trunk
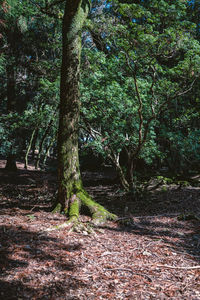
[(34, 144), (47, 150), (42, 142), (28, 149), (122, 177), (130, 172)]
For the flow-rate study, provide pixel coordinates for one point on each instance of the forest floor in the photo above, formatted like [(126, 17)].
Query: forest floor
[(156, 255)]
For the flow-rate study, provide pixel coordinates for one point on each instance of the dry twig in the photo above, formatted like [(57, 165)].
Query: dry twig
[(183, 268)]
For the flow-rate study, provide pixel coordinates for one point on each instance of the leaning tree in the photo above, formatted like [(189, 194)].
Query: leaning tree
[(71, 193)]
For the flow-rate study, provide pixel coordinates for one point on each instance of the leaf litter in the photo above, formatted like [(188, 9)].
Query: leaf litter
[(154, 256)]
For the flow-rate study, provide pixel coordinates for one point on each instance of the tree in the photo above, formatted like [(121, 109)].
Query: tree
[(153, 63), (71, 193), (30, 47)]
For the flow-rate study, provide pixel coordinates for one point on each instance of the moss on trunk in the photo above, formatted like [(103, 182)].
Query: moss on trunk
[(71, 193), (79, 197), (98, 212)]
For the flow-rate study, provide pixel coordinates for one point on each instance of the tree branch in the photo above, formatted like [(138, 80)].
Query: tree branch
[(47, 7)]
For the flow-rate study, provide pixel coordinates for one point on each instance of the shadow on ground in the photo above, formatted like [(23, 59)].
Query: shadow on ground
[(35, 266)]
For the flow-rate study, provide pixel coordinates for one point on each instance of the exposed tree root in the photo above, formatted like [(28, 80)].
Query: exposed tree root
[(98, 213), (74, 225)]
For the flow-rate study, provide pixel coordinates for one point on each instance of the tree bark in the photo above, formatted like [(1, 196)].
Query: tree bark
[(46, 132), (48, 148), (11, 97), (28, 149), (11, 107), (33, 147), (11, 163), (70, 190)]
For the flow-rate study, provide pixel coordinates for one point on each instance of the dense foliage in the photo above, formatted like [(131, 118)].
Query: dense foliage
[(138, 99), (30, 56)]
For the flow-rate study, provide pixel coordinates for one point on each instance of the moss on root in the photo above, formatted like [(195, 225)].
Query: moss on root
[(74, 208), (78, 197), (57, 209), (98, 212)]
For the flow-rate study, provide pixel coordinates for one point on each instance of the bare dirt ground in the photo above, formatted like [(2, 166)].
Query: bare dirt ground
[(153, 254)]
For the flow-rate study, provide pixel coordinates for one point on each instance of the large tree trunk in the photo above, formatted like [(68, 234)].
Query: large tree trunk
[(11, 163), (11, 96), (70, 190)]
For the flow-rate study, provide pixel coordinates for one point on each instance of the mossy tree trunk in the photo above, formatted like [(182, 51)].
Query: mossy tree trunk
[(70, 190)]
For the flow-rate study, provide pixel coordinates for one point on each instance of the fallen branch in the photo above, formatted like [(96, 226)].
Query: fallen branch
[(157, 216), (183, 268)]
